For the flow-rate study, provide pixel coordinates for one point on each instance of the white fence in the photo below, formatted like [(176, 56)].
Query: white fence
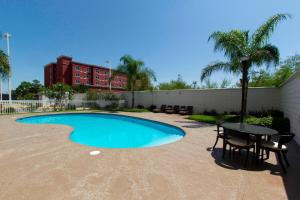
[(25, 106), (220, 100)]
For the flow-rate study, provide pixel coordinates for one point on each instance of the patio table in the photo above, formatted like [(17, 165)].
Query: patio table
[(257, 131)]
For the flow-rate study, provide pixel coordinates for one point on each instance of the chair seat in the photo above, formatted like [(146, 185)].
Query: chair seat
[(272, 145), (239, 142)]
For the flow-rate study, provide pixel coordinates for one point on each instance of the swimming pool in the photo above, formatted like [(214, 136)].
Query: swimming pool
[(112, 131)]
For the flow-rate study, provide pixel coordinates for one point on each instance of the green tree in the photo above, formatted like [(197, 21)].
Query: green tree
[(4, 65), (292, 62), (261, 79), (282, 74), (208, 84), (244, 51), (286, 70), (174, 84), (59, 92), (29, 91), (80, 88), (225, 83), (136, 73)]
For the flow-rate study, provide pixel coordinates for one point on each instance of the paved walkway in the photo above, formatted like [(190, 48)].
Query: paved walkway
[(40, 162)]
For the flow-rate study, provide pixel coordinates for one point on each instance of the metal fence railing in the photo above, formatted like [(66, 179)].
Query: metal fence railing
[(28, 106), (25, 106)]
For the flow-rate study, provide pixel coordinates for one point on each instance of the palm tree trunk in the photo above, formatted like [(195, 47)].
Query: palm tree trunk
[(244, 91)]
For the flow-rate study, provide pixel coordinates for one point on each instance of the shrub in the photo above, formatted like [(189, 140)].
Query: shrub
[(80, 88), (109, 96), (281, 124), (140, 107), (92, 95), (263, 121), (112, 106)]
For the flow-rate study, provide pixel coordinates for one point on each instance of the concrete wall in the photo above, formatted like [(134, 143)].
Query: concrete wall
[(219, 99), (290, 103)]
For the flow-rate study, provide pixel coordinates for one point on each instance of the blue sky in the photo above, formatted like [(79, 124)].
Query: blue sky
[(170, 35)]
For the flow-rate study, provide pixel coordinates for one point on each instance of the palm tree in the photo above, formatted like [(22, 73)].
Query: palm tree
[(245, 51), (4, 69), (136, 73), (4, 64)]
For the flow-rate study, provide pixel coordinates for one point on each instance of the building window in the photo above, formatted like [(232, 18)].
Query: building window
[(77, 68), (88, 76), (97, 77), (97, 70), (88, 69), (77, 81), (77, 75)]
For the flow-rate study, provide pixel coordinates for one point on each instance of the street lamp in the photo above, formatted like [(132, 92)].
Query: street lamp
[(108, 63), (7, 36)]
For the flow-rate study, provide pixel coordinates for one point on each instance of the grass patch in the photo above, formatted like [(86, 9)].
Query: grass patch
[(212, 119), (205, 118)]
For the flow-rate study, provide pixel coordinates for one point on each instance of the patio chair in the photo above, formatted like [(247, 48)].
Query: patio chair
[(182, 108), (279, 148), (238, 141), (152, 107), (220, 133), (174, 110), (187, 111), (161, 109), (169, 107)]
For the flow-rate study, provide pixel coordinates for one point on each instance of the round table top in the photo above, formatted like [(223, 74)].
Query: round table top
[(250, 129)]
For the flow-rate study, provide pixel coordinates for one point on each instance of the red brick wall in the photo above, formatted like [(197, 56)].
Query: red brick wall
[(75, 73)]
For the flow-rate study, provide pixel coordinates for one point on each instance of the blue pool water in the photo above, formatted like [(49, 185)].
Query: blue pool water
[(112, 131)]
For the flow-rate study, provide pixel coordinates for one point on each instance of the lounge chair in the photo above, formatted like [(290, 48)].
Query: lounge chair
[(168, 108), (161, 109), (152, 107), (174, 110), (187, 111), (182, 108)]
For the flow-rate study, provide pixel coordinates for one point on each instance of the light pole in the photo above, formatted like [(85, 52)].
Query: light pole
[(7, 36), (108, 63)]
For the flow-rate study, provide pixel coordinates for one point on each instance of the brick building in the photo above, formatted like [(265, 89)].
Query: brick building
[(73, 73)]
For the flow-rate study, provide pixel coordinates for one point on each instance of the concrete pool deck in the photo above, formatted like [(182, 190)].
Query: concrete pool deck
[(40, 162)]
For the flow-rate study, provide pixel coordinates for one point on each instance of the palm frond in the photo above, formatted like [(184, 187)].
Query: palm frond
[(233, 43), (217, 66), (263, 33), (4, 65), (268, 54)]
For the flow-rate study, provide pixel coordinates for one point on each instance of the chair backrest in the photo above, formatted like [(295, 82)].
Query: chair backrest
[(232, 133), (182, 107), (176, 108), (163, 107), (152, 107), (219, 125), (169, 107), (284, 139), (190, 109)]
